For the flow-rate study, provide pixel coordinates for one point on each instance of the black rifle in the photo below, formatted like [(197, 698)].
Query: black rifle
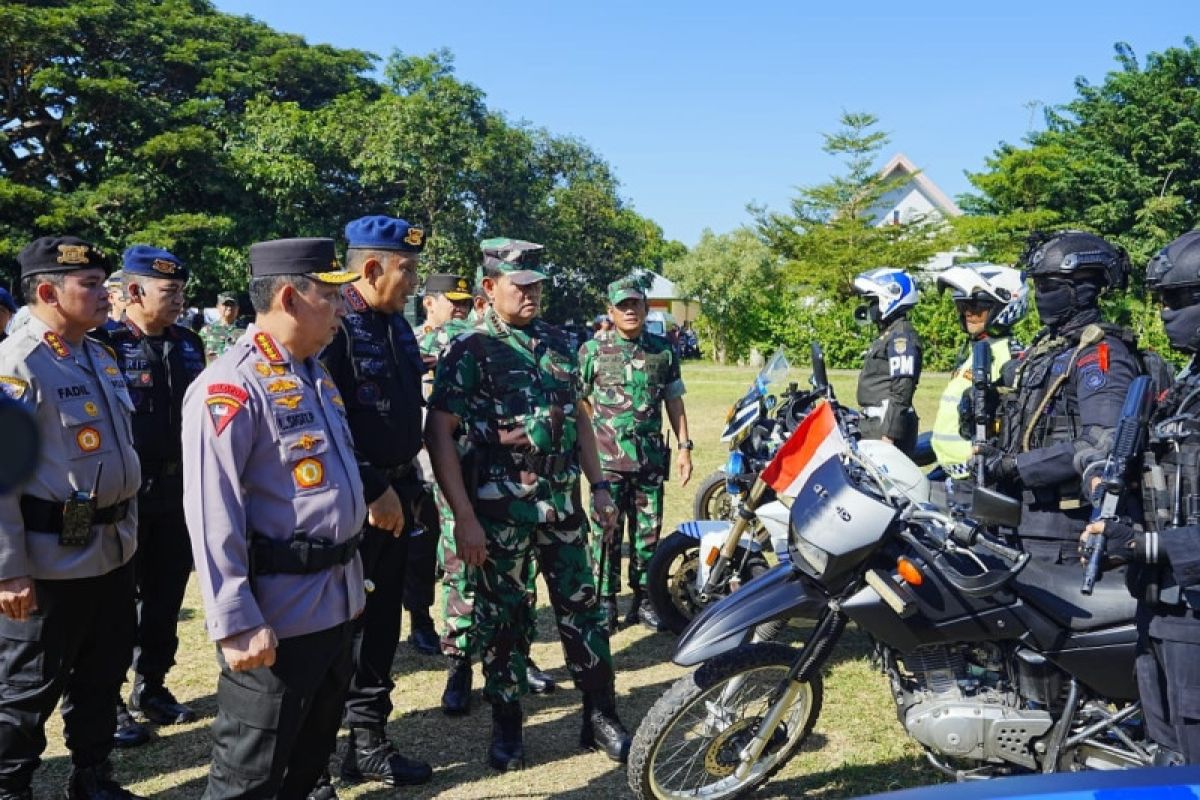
[(1127, 446), (981, 383)]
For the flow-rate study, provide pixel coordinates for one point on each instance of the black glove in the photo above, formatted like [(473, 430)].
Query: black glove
[(966, 410), (1119, 541), (999, 467)]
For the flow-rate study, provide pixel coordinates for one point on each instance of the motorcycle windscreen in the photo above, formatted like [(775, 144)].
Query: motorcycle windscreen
[(839, 519)]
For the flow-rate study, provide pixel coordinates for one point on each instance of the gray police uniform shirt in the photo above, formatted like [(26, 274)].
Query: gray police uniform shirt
[(82, 407), (267, 450)]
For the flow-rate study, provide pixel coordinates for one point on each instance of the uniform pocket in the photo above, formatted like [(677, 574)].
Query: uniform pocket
[(23, 659), (84, 431), (306, 455), (246, 729)]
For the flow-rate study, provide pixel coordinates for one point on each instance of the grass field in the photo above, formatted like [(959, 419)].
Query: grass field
[(857, 746)]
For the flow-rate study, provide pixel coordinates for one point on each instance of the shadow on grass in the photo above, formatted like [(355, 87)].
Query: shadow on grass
[(853, 780)]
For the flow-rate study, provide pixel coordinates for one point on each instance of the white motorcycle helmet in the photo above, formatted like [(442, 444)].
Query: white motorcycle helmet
[(888, 292), (1003, 287)]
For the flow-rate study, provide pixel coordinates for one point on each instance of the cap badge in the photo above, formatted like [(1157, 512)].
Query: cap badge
[(415, 237), (72, 254), (164, 266)]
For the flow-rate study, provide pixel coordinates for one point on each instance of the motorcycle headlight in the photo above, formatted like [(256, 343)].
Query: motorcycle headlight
[(812, 555)]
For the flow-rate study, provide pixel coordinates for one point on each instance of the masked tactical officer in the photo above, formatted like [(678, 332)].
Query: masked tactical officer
[(513, 385), (892, 366), (448, 305), (1060, 401), (66, 581), (219, 335), (627, 378), (1166, 553), (990, 300), (375, 362), (159, 360), (274, 507)]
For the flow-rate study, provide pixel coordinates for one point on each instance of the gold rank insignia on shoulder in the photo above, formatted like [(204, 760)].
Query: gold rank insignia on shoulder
[(12, 388), (415, 237), (73, 254), (56, 344), (266, 345), (289, 401), (164, 266)]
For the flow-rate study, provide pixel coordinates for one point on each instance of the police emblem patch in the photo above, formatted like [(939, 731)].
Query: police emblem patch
[(221, 410), (72, 254), (414, 237), (900, 344), (1094, 378), (90, 409), (164, 266), (229, 390), (13, 388), (88, 439), (309, 472)]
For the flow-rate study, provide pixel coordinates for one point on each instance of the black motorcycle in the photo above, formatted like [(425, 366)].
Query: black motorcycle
[(998, 665)]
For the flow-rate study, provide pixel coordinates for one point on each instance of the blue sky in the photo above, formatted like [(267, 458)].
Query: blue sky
[(702, 107)]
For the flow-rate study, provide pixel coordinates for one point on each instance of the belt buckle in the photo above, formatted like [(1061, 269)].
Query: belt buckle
[(302, 550)]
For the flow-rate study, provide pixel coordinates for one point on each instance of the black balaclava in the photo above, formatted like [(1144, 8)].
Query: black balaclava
[(1070, 299), (1183, 327)]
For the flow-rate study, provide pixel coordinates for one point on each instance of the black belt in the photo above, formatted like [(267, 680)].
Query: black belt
[(299, 555), (46, 516)]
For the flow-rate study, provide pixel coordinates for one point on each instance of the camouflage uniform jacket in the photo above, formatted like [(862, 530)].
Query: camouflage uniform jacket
[(627, 381), (515, 390), (217, 338)]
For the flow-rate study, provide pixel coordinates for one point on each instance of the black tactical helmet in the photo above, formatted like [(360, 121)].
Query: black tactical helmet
[(1177, 265), (1072, 253)]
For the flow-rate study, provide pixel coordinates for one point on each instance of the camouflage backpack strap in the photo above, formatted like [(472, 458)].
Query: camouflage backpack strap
[(1089, 336)]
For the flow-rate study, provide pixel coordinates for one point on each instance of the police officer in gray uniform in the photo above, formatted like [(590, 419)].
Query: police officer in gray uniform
[(66, 543), (274, 507), (892, 365), (1059, 403)]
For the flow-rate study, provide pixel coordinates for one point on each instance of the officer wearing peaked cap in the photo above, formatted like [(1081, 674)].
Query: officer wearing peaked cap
[(66, 578), (375, 362), (274, 507), (159, 360)]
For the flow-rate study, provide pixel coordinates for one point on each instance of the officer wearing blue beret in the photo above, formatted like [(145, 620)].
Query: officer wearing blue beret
[(376, 363), (274, 508), (159, 360), (66, 579)]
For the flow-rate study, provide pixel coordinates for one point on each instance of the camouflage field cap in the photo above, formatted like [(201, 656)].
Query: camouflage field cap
[(514, 258), (624, 289)]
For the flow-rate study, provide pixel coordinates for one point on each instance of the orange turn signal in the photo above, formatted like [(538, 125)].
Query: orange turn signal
[(909, 572), (713, 554)]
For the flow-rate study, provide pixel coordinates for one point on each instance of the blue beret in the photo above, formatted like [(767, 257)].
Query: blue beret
[(152, 262), (384, 233), (6, 300), (59, 254)]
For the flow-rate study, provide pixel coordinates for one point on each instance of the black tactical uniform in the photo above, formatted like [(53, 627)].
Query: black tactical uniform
[(1060, 401), (158, 370), (890, 373), (1165, 575), (376, 363)]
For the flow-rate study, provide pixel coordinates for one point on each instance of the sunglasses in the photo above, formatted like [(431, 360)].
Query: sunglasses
[(973, 306)]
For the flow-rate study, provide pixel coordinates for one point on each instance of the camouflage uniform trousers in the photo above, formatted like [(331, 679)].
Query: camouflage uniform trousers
[(501, 619), (638, 497), (458, 593)]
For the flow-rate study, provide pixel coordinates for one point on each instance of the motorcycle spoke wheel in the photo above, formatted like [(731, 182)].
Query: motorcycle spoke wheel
[(690, 744)]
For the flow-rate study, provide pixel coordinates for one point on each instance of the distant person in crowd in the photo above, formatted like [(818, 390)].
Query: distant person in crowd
[(223, 332), (8, 309), (117, 300)]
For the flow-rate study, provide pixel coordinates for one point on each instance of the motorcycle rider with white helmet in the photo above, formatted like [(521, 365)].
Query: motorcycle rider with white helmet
[(990, 299), (892, 364)]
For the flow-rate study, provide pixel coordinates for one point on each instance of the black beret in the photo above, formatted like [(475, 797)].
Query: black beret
[(60, 254), (313, 258)]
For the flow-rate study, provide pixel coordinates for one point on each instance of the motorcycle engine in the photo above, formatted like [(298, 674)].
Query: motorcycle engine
[(959, 701)]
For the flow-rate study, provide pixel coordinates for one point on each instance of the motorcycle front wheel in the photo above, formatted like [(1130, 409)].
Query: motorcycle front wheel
[(712, 499), (688, 744), (671, 578)]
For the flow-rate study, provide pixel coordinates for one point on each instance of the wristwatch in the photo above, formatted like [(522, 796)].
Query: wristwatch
[(687, 444), (601, 485)]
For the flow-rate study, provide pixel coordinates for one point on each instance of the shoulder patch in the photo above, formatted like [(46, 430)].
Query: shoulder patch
[(13, 388), (1093, 377), (228, 390), (900, 344)]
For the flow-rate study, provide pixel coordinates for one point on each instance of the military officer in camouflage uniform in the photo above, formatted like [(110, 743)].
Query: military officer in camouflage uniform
[(513, 385), (892, 365), (376, 364), (67, 543), (274, 506), (159, 360), (448, 305), (219, 335), (628, 376)]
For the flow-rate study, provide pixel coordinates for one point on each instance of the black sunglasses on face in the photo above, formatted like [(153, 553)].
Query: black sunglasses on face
[(973, 306)]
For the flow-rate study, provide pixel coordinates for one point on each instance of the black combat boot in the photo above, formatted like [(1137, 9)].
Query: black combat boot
[(539, 682), (456, 699), (129, 732), (649, 617), (602, 730), (96, 783), (324, 789), (154, 701), (633, 616), (508, 744), (612, 616), (371, 757), (423, 637)]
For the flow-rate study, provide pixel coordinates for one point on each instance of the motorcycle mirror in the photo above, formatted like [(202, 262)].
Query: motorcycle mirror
[(990, 507), (820, 378)]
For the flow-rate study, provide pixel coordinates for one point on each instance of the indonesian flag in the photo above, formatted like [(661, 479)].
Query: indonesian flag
[(815, 441)]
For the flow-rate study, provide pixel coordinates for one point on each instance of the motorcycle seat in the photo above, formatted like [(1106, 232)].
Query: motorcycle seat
[(1054, 590)]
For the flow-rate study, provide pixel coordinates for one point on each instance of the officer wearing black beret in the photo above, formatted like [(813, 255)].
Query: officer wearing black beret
[(159, 360), (375, 362), (66, 578)]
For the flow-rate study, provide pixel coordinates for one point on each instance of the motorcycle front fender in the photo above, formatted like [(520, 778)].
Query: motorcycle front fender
[(782, 593)]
